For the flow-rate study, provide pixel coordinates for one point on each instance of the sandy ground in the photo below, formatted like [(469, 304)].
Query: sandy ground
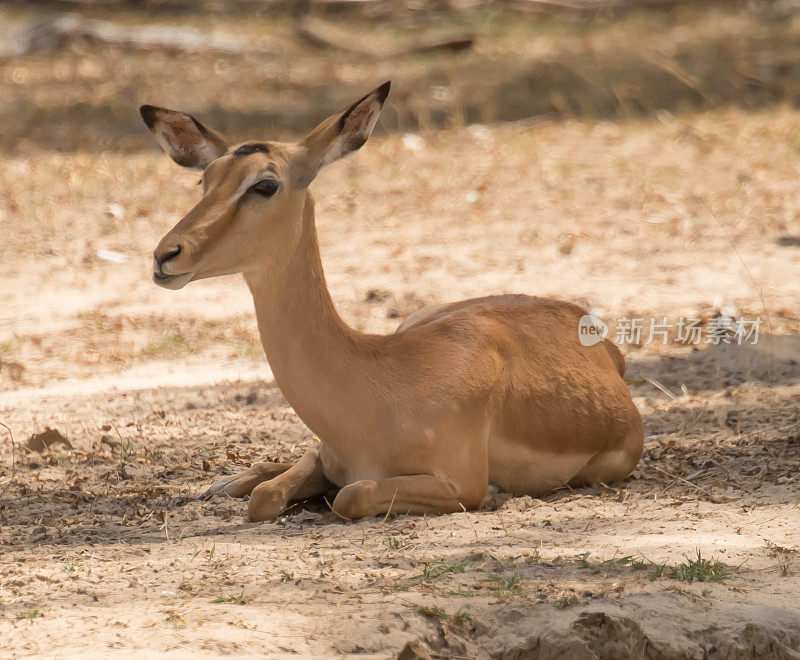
[(105, 546)]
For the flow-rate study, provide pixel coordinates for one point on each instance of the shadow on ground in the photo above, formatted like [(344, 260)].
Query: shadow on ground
[(140, 459)]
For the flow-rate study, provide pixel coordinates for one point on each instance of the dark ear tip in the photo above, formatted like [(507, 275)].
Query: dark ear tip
[(149, 115), (383, 90)]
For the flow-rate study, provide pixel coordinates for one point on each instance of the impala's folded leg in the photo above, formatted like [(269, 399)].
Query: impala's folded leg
[(241, 484), (303, 479), (419, 493)]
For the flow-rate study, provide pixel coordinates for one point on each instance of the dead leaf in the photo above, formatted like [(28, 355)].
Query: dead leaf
[(38, 442), (566, 243)]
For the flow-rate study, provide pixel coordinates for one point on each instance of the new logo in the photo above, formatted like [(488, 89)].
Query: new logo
[(591, 330)]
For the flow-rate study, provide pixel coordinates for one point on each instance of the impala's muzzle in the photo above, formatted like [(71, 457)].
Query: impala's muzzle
[(160, 259), (164, 269)]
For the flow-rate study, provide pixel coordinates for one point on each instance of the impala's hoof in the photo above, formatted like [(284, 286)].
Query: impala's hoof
[(234, 485), (266, 503), (213, 490), (355, 500)]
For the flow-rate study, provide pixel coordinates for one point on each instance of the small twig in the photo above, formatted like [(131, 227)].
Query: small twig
[(672, 67), (503, 524), (655, 383), (13, 459), (391, 504), (713, 497), (335, 512), (165, 526), (752, 279), (119, 435), (674, 481)]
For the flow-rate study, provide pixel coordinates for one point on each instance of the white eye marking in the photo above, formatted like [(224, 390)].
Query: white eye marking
[(250, 179)]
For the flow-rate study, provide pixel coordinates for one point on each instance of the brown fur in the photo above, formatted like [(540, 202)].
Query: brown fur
[(491, 390)]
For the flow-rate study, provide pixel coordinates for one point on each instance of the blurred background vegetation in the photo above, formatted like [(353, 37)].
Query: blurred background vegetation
[(73, 72)]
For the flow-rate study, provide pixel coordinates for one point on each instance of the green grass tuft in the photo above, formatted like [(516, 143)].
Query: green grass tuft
[(29, 614), (237, 599), (702, 570), (433, 612), (566, 601), (433, 571), (692, 570)]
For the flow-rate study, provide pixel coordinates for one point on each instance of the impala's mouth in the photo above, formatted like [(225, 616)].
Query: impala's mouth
[(173, 282)]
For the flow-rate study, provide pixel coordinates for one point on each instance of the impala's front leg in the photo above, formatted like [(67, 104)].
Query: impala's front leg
[(303, 479), (418, 494), (243, 483)]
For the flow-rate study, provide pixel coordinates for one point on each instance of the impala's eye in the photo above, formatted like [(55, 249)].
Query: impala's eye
[(265, 187)]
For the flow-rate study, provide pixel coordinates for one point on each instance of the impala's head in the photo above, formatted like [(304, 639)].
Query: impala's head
[(253, 192)]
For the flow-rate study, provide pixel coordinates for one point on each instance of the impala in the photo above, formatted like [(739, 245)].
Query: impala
[(491, 390)]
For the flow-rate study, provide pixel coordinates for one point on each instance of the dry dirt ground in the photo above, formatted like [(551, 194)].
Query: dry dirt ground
[(106, 547)]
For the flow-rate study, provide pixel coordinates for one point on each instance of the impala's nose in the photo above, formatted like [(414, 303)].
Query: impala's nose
[(160, 259)]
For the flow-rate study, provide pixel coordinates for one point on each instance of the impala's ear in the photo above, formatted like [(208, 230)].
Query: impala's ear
[(185, 139), (341, 134)]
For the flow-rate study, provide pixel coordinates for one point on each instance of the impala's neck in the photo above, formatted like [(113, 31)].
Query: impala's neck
[(312, 352)]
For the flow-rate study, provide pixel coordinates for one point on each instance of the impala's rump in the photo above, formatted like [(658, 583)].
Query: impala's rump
[(559, 404)]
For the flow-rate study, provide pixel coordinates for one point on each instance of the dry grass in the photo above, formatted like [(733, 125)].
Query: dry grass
[(160, 393), (643, 202)]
